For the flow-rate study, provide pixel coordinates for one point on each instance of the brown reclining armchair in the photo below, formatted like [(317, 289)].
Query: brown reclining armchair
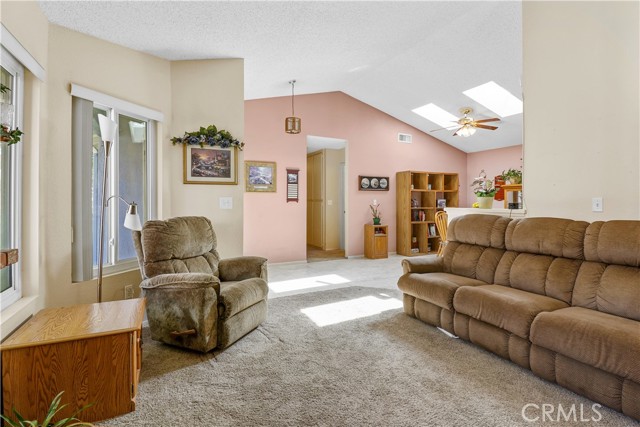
[(195, 299)]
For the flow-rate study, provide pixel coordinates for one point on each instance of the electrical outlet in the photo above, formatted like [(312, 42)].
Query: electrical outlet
[(596, 204), (128, 292)]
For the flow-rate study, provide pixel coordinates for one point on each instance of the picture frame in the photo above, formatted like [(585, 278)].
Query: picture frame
[(260, 177), (292, 185), (210, 165), (441, 203), (373, 183)]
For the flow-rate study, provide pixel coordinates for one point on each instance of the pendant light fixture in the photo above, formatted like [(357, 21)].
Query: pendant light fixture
[(292, 124)]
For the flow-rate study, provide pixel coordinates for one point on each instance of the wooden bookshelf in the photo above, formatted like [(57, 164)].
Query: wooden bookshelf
[(419, 195)]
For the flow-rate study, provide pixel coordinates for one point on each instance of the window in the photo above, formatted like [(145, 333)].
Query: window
[(11, 76), (130, 175)]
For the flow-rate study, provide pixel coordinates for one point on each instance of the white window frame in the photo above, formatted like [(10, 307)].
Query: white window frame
[(113, 176), (115, 107), (10, 64)]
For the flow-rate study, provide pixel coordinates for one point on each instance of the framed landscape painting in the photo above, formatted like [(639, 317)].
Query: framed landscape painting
[(210, 165), (260, 176)]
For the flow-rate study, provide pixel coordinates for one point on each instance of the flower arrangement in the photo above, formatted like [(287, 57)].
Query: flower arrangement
[(210, 136), (483, 187), (375, 211), (11, 136)]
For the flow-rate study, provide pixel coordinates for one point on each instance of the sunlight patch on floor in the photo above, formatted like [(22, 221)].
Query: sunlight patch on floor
[(343, 311), (307, 283)]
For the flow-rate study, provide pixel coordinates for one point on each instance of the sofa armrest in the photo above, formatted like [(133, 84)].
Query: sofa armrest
[(423, 265), (241, 268), (181, 281)]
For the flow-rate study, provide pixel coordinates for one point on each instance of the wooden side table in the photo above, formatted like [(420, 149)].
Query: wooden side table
[(92, 352), (376, 241), (512, 196)]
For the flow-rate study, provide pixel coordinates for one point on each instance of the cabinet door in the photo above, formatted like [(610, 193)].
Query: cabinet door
[(380, 246)]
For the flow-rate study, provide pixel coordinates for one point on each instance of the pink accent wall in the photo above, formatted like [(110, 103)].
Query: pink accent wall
[(493, 162), (276, 229)]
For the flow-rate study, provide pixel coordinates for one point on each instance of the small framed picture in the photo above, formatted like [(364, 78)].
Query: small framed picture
[(260, 176), (210, 165), (373, 183), (442, 203)]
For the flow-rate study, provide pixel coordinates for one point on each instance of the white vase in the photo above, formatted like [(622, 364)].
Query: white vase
[(485, 202)]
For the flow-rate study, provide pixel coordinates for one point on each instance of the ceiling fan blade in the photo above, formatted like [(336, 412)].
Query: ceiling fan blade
[(447, 128), (485, 127), (495, 119), (457, 130)]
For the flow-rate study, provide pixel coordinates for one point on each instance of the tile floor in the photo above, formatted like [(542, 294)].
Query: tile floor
[(298, 278)]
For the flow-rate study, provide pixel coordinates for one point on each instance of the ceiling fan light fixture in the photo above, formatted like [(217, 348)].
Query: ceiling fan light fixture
[(466, 131), (293, 124)]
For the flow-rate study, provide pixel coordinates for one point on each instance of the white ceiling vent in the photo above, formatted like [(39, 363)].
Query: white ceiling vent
[(404, 137)]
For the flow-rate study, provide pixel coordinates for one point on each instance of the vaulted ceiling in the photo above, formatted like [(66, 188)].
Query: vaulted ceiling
[(394, 56)]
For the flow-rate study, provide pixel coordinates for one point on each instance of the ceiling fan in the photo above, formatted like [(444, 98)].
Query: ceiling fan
[(468, 125)]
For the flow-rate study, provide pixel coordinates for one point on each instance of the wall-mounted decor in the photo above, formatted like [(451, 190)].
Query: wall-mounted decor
[(210, 165), (373, 183), (292, 185), (260, 176)]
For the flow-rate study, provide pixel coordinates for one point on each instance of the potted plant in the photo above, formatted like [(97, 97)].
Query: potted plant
[(375, 211), (8, 135), (484, 190), (512, 176), (210, 136), (54, 408)]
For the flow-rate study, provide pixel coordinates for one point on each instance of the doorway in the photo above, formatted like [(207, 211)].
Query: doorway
[(326, 198)]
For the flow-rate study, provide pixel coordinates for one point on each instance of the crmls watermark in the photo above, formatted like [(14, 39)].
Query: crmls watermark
[(546, 412)]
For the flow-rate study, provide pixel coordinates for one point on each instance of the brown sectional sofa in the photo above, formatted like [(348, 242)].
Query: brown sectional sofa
[(557, 296)]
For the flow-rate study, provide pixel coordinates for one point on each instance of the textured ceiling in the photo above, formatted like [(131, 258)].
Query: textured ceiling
[(394, 56)]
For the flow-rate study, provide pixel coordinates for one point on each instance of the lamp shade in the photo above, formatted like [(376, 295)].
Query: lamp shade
[(292, 125), (132, 220), (108, 128)]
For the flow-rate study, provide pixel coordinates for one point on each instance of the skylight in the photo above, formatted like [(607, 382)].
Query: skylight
[(495, 98), (437, 115)]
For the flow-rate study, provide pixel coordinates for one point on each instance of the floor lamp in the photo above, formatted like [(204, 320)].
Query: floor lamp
[(108, 130)]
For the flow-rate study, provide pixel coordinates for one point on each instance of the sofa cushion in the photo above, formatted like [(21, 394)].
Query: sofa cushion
[(609, 281), (478, 229), (178, 245), (504, 307), (237, 296), (613, 289), (598, 339), (541, 274), (436, 288), (613, 242), (557, 237)]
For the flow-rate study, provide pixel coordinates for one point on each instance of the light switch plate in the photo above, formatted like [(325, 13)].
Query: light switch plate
[(226, 202), (596, 204)]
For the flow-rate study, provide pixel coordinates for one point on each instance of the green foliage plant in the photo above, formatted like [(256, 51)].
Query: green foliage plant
[(11, 136), (54, 408)]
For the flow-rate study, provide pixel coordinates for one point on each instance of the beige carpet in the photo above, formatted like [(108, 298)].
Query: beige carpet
[(384, 369)]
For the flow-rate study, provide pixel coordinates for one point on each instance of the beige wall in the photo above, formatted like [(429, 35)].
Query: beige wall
[(332, 161), (114, 70), (581, 109), (204, 93), (200, 92)]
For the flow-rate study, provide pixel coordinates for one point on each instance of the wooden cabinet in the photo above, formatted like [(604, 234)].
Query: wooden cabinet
[(375, 241), (92, 352), (419, 195), (512, 196)]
